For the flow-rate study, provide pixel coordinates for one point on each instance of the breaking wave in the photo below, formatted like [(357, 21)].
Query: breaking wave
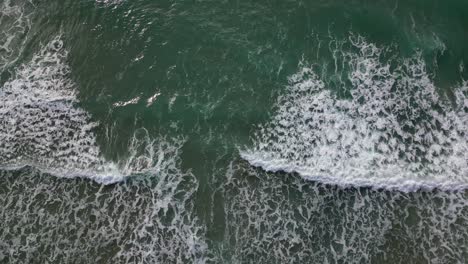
[(42, 126), (43, 131), (393, 129)]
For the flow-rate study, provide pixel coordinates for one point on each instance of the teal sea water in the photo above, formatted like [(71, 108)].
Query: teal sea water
[(143, 131)]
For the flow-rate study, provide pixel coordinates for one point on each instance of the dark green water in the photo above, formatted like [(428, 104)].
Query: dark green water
[(233, 131)]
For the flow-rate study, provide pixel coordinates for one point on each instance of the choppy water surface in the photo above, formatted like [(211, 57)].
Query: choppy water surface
[(233, 131)]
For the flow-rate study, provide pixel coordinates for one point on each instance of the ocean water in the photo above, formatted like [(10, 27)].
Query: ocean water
[(233, 131)]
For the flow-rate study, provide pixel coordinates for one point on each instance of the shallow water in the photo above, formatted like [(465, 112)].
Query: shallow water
[(233, 131)]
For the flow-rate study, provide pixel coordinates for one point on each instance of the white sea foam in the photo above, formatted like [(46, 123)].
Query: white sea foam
[(42, 126), (125, 103), (142, 220), (15, 22), (274, 218), (395, 131), (109, 2)]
